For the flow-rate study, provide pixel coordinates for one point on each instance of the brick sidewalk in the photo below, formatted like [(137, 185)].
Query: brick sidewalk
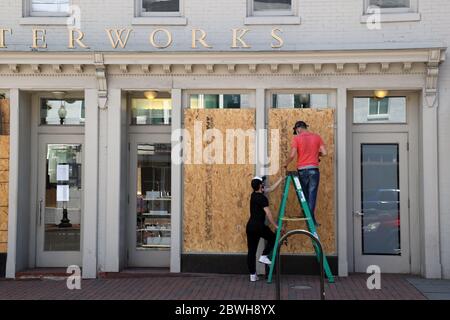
[(209, 287)]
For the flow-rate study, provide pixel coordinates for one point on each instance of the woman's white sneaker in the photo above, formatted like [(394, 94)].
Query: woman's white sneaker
[(254, 278), (265, 260)]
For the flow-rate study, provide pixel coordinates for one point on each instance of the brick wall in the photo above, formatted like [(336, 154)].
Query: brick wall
[(4, 172)]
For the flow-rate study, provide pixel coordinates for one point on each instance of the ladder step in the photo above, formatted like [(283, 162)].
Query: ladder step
[(292, 177), (295, 219)]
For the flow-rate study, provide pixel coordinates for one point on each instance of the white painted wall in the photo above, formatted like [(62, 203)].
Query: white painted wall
[(324, 24)]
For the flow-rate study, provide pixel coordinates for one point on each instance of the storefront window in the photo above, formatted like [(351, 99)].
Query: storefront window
[(156, 109), (374, 110), (299, 101), (62, 112), (153, 196), (219, 101)]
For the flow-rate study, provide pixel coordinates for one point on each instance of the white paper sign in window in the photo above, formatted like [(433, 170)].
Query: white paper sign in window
[(62, 172), (62, 193)]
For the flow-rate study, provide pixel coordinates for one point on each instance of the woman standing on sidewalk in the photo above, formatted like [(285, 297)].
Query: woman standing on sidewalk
[(257, 228)]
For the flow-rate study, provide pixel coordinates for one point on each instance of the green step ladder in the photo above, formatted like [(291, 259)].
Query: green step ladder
[(293, 177)]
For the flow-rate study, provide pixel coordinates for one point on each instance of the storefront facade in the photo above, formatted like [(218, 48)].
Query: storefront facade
[(92, 122)]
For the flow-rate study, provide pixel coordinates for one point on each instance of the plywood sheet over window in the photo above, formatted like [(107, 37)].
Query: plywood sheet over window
[(4, 172), (321, 122), (216, 197)]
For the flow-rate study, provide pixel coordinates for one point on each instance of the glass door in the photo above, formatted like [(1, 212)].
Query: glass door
[(381, 210), (60, 202), (150, 203)]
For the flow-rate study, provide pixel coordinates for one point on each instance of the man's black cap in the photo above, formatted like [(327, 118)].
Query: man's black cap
[(300, 124)]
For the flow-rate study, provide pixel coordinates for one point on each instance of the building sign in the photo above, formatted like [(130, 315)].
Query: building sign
[(240, 38)]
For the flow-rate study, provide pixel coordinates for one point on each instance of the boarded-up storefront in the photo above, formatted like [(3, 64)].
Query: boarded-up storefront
[(4, 172), (321, 122), (216, 196)]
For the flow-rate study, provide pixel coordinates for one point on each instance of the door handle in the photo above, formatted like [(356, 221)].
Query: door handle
[(358, 213), (40, 211)]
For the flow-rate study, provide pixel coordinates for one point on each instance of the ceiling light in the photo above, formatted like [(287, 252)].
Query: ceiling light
[(150, 95), (59, 94), (381, 94)]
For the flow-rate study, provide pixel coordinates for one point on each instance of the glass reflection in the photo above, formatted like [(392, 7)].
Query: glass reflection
[(153, 227), (62, 112), (373, 110), (380, 199), (63, 203)]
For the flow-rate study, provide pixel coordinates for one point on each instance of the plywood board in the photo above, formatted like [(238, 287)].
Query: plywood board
[(321, 122), (3, 195), (216, 196), (4, 147), (3, 218), (4, 172), (4, 164), (4, 116)]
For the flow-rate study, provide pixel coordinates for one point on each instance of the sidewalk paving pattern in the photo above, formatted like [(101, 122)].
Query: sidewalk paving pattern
[(210, 287), (432, 289)]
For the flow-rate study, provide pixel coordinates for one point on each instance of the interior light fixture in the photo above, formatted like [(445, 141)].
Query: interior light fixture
[(381, 94), (59, 94), (150, 95)]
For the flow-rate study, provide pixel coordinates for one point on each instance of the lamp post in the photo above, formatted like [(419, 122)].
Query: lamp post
[(62, 113), (65, 222)]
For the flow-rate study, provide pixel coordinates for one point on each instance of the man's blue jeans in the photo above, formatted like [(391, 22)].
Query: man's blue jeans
[(309, 179)]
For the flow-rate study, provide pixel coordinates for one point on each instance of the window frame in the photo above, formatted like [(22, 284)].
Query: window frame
[(378, 115), (272, 13), (28, 12), (140, 13), (413, 8), (41, 98)]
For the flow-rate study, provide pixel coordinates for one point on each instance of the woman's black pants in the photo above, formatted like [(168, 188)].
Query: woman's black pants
[(254, 233)]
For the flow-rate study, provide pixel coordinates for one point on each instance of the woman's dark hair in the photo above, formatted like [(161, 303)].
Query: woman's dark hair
[(256, 183)]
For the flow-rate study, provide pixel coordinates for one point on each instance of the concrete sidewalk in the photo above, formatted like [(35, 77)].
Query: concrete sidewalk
[(210, 287), (432, 289)]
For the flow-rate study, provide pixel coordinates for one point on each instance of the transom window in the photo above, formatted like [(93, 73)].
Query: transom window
[(49, 7), (374, 110), (301, 100), (219, 101), (393, 6), (271, 7), (153, 108), (69, 112), (159, 7)]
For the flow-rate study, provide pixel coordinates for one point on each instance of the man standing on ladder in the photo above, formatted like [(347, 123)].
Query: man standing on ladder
[(307, 147)]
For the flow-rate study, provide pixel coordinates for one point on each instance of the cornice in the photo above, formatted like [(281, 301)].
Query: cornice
[(423, 61)]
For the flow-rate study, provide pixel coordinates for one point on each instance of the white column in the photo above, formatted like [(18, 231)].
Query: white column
[(177, 189), (90, 222), (13, 183), (114, 182), (432, 260), (342, 210), (261, 147)]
